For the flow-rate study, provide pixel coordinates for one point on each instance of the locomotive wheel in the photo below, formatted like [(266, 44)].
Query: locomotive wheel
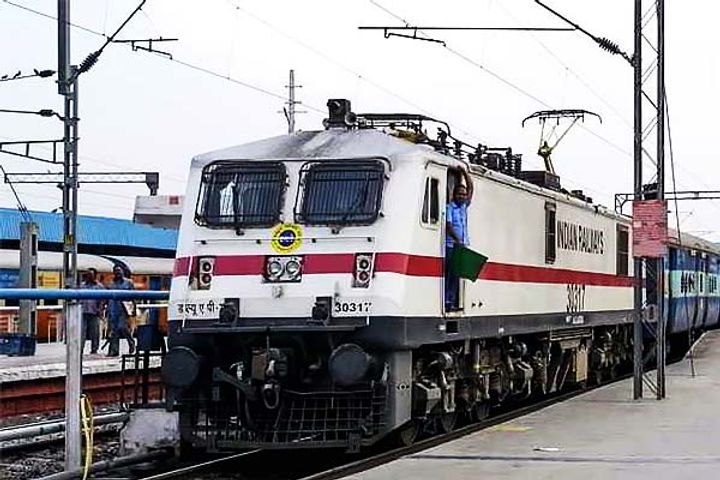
[(480, 411), (447, 421), (408, 433)]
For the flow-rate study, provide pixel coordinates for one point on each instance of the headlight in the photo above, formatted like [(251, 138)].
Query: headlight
[(281, 268), (292, 268), (274, 268)]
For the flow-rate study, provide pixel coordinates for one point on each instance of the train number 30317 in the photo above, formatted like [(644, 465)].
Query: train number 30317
[(351, 307)]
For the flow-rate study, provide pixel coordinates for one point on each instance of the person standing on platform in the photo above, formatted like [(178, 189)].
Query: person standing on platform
[(91, 312), (119, 312)]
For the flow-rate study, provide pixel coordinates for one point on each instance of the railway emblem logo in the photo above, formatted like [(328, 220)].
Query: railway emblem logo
[(286, 238)]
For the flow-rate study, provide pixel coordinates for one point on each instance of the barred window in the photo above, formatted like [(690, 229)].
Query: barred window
[(340, 193), (241, 194), (622, 249), (431, 202), (550, 233)]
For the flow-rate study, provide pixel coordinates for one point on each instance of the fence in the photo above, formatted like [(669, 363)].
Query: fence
[(50, 324)]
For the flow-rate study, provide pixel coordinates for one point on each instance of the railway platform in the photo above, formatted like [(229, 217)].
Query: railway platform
[(602, 434), (49, 362), (36, 384)]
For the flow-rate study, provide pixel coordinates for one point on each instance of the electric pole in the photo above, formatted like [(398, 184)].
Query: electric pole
[(649, 232), (649, 205), (291, 111), (67, 87)]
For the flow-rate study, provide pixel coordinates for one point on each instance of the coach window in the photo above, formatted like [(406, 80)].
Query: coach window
[(622, 249), (431, 202), (550, 233)]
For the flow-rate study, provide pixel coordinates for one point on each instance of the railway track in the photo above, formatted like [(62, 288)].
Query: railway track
[(245, 465), (301, 464), (502, 416)]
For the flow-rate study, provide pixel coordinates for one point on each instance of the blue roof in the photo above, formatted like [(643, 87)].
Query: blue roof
[(91, 230)]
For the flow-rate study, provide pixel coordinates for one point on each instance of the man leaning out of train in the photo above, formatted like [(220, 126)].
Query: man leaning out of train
[(456, 236)]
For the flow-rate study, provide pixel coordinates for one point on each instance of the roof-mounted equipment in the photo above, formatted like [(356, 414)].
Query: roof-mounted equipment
[(545, 150), (340, 114)]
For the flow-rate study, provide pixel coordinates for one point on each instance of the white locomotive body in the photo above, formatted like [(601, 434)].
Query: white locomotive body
[(309, 281)]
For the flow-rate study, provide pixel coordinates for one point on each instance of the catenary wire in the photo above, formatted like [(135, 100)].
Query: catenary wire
[(360, 75), (349, 70), (503, 80), (20, 205), (186, 64), (569, 69)]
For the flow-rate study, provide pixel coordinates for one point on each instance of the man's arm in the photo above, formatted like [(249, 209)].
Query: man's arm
[(468, 184)]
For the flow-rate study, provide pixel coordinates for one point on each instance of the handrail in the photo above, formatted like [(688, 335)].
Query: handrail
[(139, 306), (81, 294)]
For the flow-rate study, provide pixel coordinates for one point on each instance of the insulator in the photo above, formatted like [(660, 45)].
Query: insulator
[(609, 46), (89, 61)]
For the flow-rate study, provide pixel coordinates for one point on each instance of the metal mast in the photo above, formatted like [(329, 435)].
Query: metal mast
[(291, 111), (646, 126), (291, 102), (637, 190), (67, 86)]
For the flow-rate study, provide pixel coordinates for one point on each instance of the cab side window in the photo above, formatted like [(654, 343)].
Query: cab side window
[(550, 233), (431, 202), (622, 249)]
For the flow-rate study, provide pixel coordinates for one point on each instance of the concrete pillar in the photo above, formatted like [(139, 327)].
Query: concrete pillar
[(73, 385), (28, 275)]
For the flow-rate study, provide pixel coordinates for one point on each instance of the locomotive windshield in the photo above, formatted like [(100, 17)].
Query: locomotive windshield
[(341, 193), (241, 194)]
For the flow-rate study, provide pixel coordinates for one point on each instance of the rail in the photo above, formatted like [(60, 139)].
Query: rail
[(54, 426), (73, 380)]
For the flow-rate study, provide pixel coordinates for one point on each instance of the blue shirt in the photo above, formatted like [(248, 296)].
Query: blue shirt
[(92, 307), (116, 310), (456, 215)]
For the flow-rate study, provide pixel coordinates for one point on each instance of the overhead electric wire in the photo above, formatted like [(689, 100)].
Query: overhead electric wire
[(92, 159), (508, 83), (20, 76), (175, 60), (20, 205), (569, 69), (344, 67), (105, 205), (677, 223)]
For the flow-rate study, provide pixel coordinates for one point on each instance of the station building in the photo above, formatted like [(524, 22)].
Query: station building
[(146, 252)]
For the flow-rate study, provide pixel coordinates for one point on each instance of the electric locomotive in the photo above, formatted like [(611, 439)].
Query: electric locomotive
[(307, 304)]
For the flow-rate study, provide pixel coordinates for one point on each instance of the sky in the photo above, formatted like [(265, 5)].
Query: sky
[(225, 85)]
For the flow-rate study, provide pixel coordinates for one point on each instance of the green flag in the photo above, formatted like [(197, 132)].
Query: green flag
[(466, 263)]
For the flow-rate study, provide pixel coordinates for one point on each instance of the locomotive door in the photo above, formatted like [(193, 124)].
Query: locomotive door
[(432, 222), (453, 286)]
